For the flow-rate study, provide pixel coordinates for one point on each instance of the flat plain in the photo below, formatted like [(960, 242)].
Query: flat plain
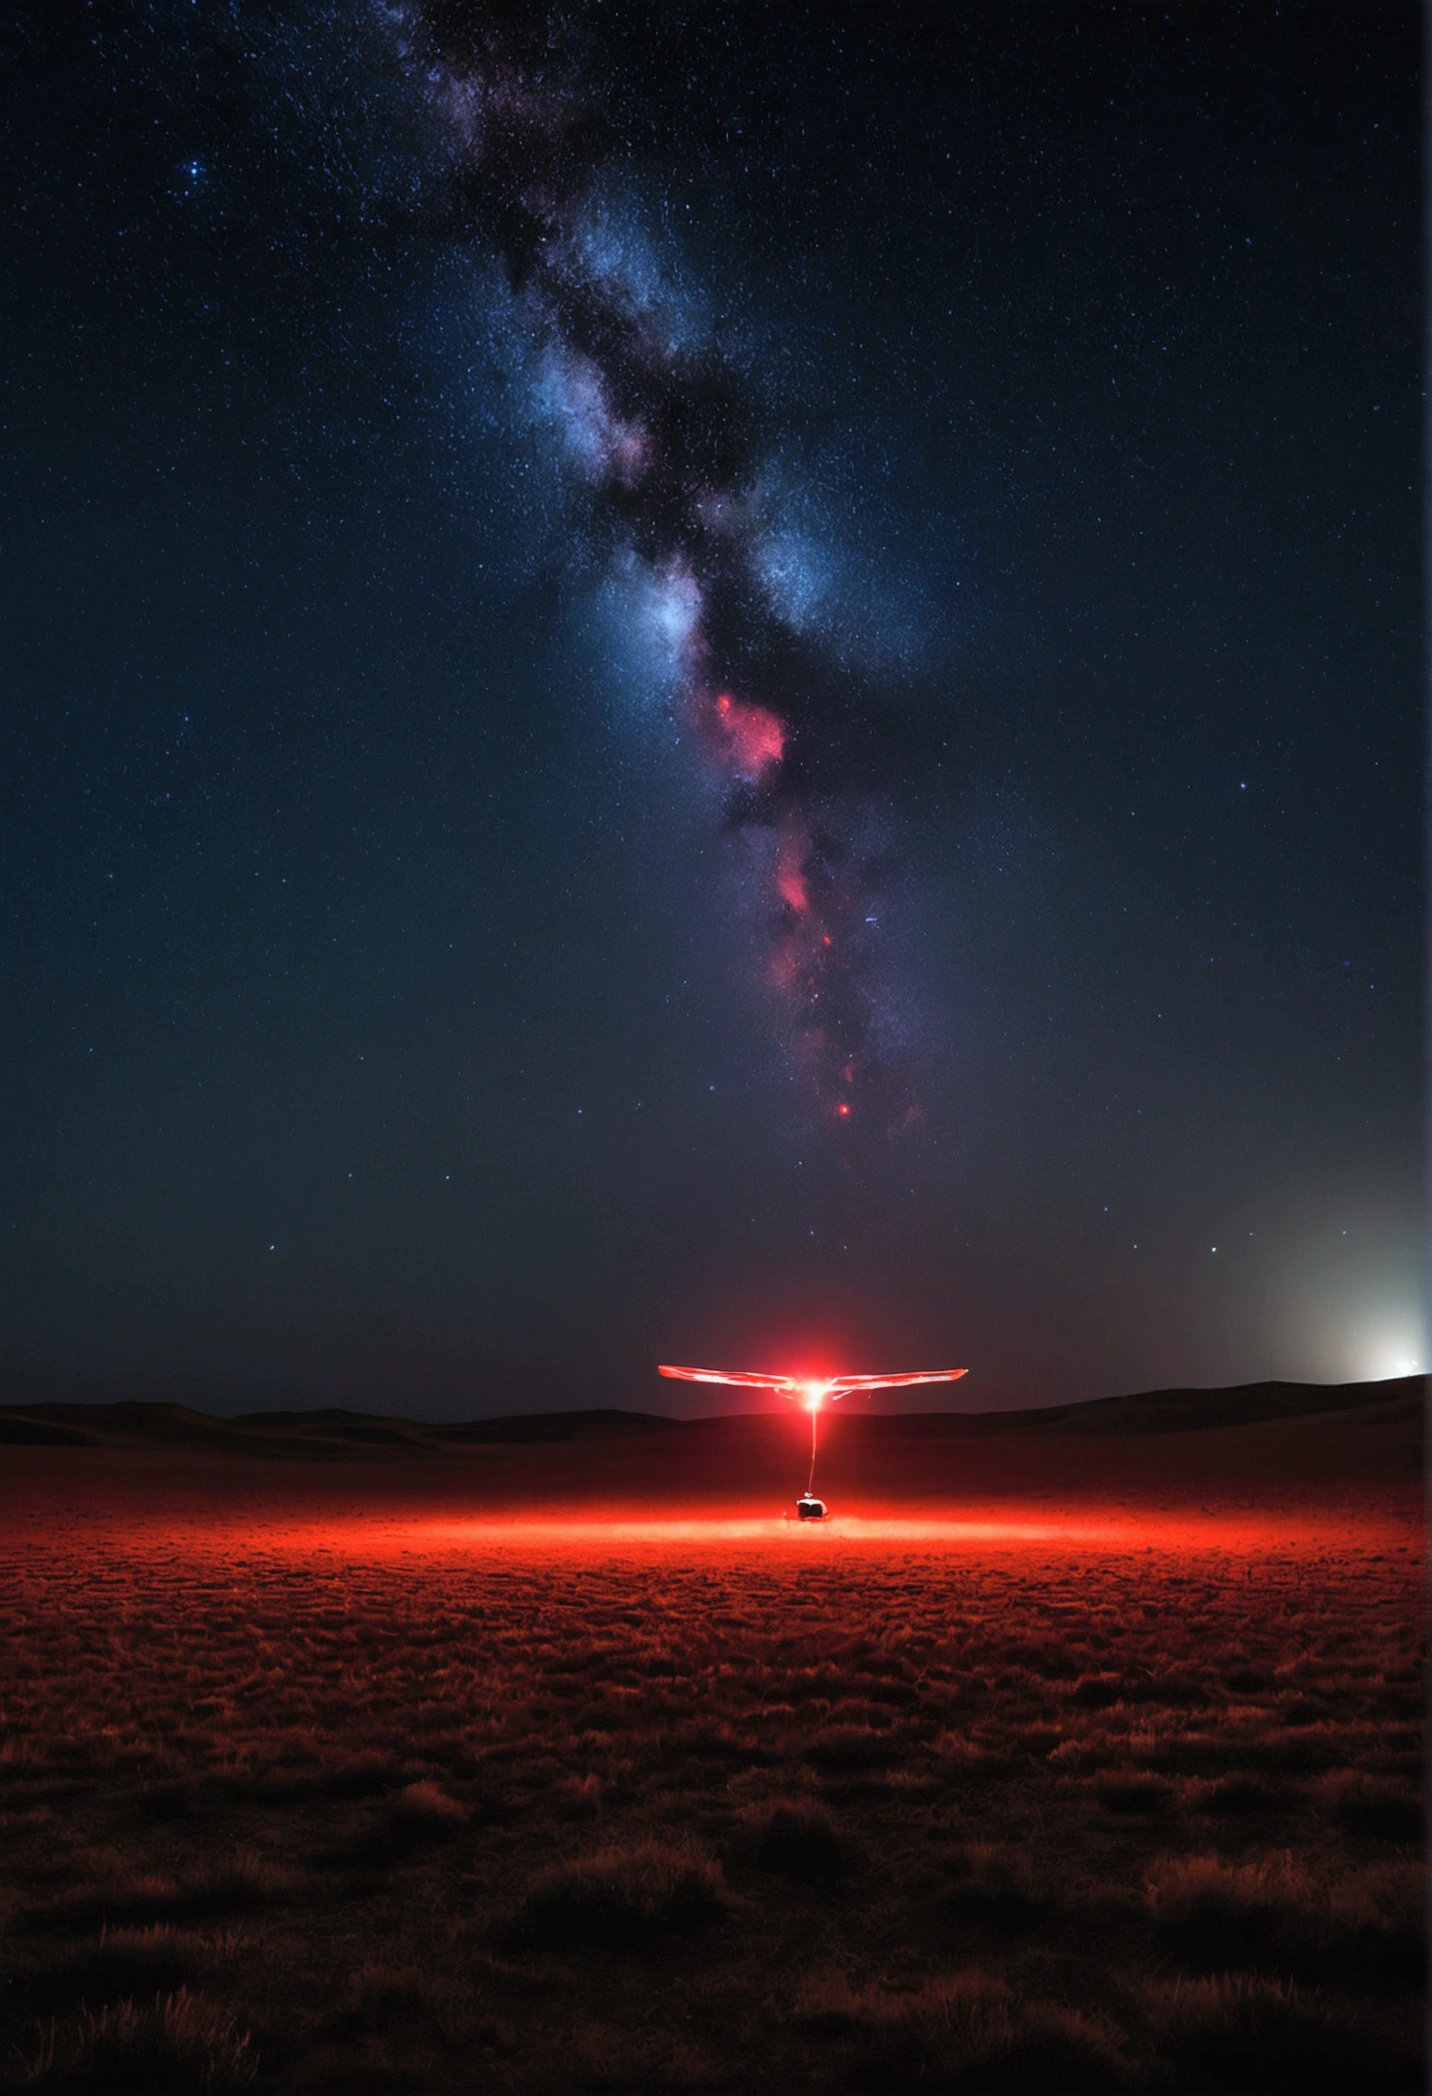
[(1053, 1763)]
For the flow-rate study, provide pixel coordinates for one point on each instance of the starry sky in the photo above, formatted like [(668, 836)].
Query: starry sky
[(730, 684)]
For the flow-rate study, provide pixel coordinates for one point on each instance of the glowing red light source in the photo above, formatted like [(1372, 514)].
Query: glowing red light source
[(813, 1390)]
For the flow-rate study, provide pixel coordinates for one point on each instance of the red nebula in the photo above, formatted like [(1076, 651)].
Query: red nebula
[(792, 883), (791, 887), (749, 738)]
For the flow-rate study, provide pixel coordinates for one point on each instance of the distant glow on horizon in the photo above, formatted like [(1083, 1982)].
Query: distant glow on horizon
[(1363, 1322), (1389, 1342), (1390, 1367)]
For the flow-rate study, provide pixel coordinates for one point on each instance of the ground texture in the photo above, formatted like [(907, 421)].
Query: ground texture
[(405, 1805)]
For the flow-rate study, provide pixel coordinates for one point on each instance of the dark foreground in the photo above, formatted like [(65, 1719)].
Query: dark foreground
[(328, 1804)]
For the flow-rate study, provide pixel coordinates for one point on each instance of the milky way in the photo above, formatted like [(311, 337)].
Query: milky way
[(522, 521), (664, 439)]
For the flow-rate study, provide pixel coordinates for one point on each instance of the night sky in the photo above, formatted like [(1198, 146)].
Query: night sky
[(709, 683)]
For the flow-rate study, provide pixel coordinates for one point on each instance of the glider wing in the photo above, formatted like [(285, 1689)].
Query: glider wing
[(720, 1375), (842, 1385)]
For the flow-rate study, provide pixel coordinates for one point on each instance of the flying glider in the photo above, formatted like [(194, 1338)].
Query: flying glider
[(812, 1392)]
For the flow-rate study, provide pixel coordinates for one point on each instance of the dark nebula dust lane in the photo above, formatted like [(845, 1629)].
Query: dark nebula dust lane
[(665, 441)]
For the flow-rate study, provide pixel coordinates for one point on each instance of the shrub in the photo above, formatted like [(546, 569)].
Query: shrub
[(622, 1897), (118, 1899), (179, 2042), (361, 1776), (852, 1746), (968, 2033), (1219, 1913), (1133, 1790), (1245, 1680), (1235, 1796), (1364, 1928), (1307, 1749), (581, 1795), (1374, 1927), (248, 1878), (1302, 1710), (422, 1813), (828, 2008), (141, 1898), (383, 1997), (798, 1838), (967, 1761), (1247, 2036), (606, 2057), (119, 1962), (1374, 1805), (994, 1887), (1096, 1691)]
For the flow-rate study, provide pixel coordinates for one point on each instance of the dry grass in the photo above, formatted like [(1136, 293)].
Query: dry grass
[(485, 1819), (170, 2046), (996, 1887), (1286, 1914), (620, 1897), (800, 1839), (1248, 2036), (1133, 1790), (616, 2058), (1373, 1805), (965, 2032)]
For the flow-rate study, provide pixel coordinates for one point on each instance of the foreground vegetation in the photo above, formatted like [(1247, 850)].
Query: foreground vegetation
[(748, 1818)]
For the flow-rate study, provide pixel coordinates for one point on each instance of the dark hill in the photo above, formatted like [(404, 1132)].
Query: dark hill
[(1163, 1411), (336, 1433)]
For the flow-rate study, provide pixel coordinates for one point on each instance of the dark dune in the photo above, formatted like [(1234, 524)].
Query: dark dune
[(335, 1431), (1261, 1445)]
